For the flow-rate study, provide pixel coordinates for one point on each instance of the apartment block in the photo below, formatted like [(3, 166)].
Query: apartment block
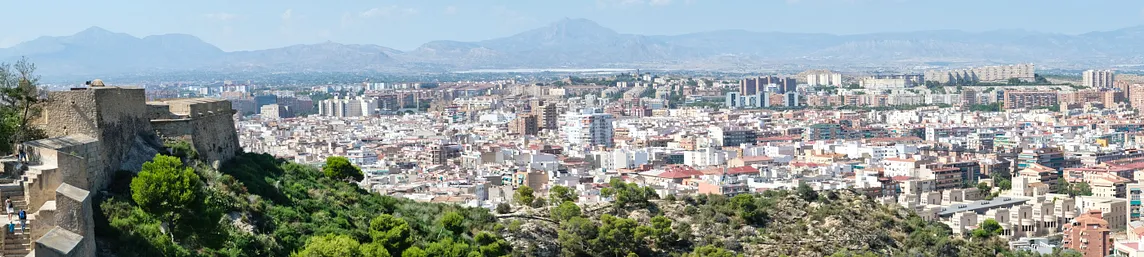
[(1024, 72), (1099, 78), (1029, 99)]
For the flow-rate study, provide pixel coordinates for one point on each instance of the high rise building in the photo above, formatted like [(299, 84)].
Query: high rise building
[(589, 128), (275, 111), (1136, 96), (968, 97), (882, 82), (349, 107), (546, 114), (1024, 72), (824, 78), (1099, 78), (1088, 234), (751, 86), (736, 100), (790, 99), (264, 100), (525, 124), (1029, 99)]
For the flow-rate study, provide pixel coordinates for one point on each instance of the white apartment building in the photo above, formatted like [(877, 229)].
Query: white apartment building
[(588, 128), (824, 79), (349, 107), (1024, 72), (1099, 78)]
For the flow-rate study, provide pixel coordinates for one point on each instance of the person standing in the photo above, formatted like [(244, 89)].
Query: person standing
[(11, 208), (22, 156), (23, 221)]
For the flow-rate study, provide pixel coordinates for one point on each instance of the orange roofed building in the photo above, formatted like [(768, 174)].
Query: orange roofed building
[(1088, 234)]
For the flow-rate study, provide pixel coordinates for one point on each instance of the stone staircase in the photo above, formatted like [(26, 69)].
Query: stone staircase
[(20, 242)]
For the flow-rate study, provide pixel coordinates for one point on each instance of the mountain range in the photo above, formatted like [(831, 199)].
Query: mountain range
[(581, 43)]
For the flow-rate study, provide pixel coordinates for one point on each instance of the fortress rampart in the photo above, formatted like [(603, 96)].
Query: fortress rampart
[(93, 133)]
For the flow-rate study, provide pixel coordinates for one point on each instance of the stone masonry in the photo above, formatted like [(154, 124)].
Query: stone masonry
[(207, 123), (94, 132)]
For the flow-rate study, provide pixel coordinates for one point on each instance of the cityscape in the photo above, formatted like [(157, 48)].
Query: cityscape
[(573, 139)]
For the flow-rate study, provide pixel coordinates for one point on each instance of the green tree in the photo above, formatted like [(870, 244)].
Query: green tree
[(373, 250), (711, 251), (503, 208), (330, 245), (984, 188), (560, 194), (414, 252), (340, 168), (806, 193), (523, 196), (988, 228), (392, 232), (1005, 184), (1075, 189), (575, 236), (453, 222), (628, 194), (448, 248), (617, 236), (565, 211), (492, 245), (660, 232), (19, 93), (164, 187)]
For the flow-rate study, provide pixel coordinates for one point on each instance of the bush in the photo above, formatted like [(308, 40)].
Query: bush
[(164, 187), (340, 168), (503, 208)]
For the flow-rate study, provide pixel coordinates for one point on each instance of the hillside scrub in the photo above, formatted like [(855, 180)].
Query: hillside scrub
[(256, 205)]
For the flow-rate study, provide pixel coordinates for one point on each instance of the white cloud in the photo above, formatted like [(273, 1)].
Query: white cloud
[(222, 16), (659, 2), (288, 14), (450, 10), (392, 11)]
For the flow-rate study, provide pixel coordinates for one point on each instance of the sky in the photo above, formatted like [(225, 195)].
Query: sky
[(235, 25)]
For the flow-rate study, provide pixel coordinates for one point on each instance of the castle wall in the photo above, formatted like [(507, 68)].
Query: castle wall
[(206, 123), (215, 138), (116, 117), (75, 213)]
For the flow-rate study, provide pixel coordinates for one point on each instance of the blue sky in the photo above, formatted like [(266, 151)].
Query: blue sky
[(405, 24)]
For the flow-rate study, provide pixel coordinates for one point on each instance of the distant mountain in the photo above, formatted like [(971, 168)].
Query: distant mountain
[(584, 43)]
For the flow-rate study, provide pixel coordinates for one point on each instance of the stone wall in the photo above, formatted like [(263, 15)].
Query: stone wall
[(75, 213), (206, 123), (116, 117), (94, 132)]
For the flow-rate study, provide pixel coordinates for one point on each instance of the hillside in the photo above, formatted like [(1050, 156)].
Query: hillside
[(581, 43), (259, 206)]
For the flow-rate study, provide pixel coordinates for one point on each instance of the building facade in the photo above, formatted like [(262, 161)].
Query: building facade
[(1099, 78), (1029, 99)]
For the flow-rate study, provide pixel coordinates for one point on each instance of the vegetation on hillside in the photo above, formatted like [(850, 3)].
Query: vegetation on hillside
[(257, 205)]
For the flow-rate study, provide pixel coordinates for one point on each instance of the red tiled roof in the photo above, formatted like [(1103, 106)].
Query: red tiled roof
[(679, 171), (742, 170), (901, 178)]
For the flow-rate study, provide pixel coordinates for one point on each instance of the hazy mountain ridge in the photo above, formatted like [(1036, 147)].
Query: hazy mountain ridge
[(582, 43)]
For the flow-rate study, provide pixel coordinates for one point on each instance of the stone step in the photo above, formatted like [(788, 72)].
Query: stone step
[(17, 246)]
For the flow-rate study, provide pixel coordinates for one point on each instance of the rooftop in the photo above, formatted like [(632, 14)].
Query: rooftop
[(983, 205)]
